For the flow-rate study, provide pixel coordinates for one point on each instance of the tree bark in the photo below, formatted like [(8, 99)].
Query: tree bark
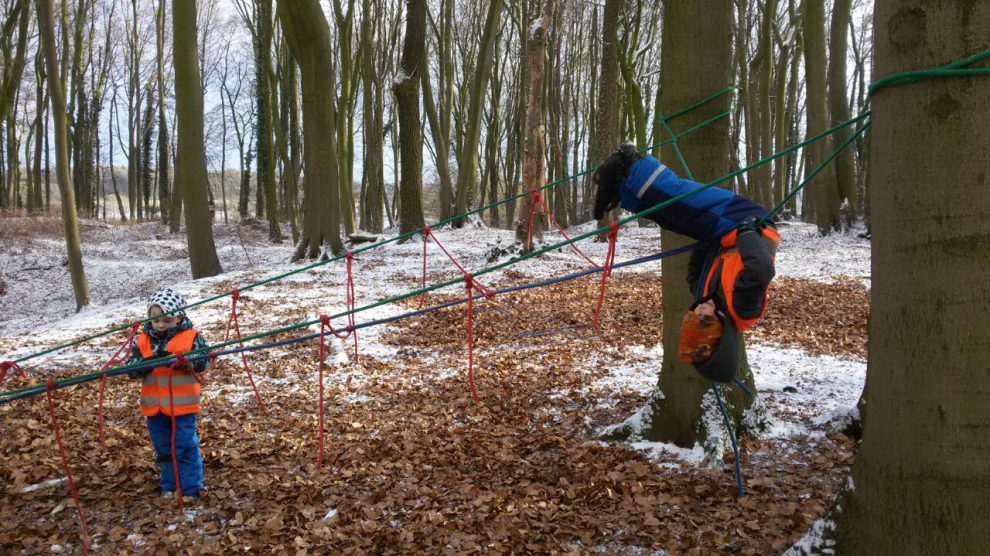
[(845, 171), (407, 103), (822, 199), (265, 170), (308, 35), (534, 146), (80, 288), (190, 170), (467, 167), (920, 477), (608, 117), (697, 35)]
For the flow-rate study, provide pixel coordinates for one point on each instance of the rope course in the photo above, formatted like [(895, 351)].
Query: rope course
[(474, 289), (400, 238)]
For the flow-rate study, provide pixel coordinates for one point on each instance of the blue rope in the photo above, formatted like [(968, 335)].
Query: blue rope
[(197, 357), (732, 437), (743, 386)]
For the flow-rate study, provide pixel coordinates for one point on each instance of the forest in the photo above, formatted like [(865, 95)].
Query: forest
[(386, 149)]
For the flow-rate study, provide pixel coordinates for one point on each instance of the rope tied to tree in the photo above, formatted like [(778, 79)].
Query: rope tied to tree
[(83, 532), (115, 359), (613, 235), (232, 322), (538, 199)]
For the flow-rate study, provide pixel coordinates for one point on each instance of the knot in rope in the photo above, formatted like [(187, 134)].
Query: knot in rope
[(471, 283), (181, 363), (212, 356), (426, 230), (536, 196), (235, 295), (6, 366), (325, 320)]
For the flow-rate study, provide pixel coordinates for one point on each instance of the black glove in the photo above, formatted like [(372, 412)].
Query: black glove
[(750, 225), (609, 177)]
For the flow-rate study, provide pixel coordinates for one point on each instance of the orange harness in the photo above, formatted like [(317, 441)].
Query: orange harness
[(728, 263), (166, 388)]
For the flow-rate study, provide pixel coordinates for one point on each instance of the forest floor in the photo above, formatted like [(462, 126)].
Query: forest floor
[(412, 464)]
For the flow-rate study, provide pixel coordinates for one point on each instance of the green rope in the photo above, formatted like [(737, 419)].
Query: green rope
[(951, 70), (399, 238), (859, 131), (516, 260), (677, 149)]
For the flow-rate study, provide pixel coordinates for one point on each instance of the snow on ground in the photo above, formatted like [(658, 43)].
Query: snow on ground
[(126, 263)]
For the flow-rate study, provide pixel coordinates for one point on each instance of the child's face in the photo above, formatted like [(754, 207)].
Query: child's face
[(706, 310), (162, 323)]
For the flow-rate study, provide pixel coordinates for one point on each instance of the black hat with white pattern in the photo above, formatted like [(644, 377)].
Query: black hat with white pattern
[(169, 300)]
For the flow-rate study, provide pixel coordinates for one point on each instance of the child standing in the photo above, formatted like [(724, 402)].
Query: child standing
[(170, 394)]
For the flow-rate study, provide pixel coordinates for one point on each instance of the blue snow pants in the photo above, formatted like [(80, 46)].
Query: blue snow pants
[(186, 452)]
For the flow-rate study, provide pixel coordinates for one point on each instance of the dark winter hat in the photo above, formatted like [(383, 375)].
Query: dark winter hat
[(169, 300), (722, 365)]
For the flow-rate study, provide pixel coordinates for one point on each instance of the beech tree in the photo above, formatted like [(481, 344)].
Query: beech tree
[(80, 287), (190, 170), (919, 482), (308, 36)]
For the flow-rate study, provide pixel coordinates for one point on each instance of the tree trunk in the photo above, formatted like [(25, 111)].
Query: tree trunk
[(823, 191), (373, 190), (467, 167), (265, 170), (920, 477), (191, 167), (608, 116), (407, 102), (308, 36), (80, 288), (534, 149), (683, 399), (845, 172), (164, 187)]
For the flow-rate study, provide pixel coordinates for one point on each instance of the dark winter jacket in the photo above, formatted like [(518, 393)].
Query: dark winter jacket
[(705, 216), (158, 342), (736, 274)]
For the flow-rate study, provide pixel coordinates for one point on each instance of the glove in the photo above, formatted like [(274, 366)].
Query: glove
[(609, 177), (750, 225)]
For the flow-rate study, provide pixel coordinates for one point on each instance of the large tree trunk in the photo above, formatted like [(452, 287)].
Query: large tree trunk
[(845, 171), (407, 103), (190, 170), (374, 184), (534, 147), (697, 35), (308, 36), (57, 95), (164, 188), (822, 197), (467, 167), (263, 87), (920, 479), (607, 124)]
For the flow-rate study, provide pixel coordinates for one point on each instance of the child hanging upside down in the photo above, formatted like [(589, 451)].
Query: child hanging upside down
[(171, 390), (729, 273)]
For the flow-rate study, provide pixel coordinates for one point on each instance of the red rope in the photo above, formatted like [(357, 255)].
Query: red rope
[(350, 303), (324, 324), (10, 366), (234, 296), (471, 283), (426, 238), (83, 534), (175, 462), (115, 359), (607, 267), (537, 198)]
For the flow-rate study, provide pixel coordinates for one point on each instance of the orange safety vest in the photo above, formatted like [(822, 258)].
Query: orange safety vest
[(728, 263), (156, 396)]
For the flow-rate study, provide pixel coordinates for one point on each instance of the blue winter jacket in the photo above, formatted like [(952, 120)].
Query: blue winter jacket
[(704, 216)]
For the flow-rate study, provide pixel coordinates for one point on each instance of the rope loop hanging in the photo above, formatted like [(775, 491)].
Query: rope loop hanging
[(613, 234), (115, 359), (232, 323), (83, 532)]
